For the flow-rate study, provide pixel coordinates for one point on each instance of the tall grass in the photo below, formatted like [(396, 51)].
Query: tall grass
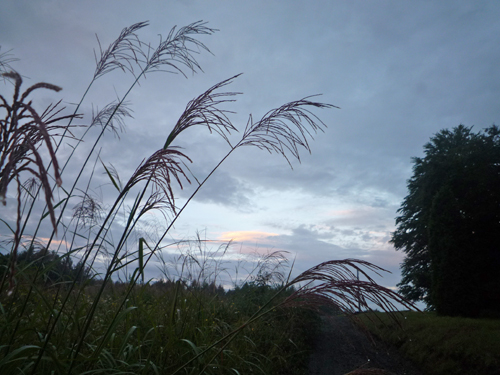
[(184, 323)]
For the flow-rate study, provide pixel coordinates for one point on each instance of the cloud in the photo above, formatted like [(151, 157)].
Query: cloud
[(310, 246), (224, 189)]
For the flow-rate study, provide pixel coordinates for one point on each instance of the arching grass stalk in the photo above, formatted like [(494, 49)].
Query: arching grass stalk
[(272, 133), (120, 54), (281, 130), (336, 286), (23, 132), (170, 53), (200, 111), (168, 157), (127, 49)]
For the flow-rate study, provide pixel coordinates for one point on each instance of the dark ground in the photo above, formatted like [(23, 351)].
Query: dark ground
[(342, 347)]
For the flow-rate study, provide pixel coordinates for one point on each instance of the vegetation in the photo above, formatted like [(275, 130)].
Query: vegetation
[(163, 326), (449, 224), (56, 318), (441, 345), (50, 265)]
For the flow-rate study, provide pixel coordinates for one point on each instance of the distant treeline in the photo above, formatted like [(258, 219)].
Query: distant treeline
[(51, 266)]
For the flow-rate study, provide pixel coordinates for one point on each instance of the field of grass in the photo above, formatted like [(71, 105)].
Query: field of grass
[(442, 345), (162, 328)]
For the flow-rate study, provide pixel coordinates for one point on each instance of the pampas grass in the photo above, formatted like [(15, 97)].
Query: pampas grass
[(106, 319)]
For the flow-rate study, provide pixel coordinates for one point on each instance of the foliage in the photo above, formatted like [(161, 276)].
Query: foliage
[(449, 223), (52, 267), (186, 323), (441, 345)]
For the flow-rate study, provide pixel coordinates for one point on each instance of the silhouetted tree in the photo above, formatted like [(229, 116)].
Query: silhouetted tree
[(449, 224)]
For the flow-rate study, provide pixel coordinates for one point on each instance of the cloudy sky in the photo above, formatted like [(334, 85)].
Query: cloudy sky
[(400, 71)]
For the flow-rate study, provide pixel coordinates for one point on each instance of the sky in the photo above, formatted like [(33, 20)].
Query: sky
[(400, 71)]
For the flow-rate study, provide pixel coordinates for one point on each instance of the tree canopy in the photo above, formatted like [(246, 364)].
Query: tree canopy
[(449, 224)]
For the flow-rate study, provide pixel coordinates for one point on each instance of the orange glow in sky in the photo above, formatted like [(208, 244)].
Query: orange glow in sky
[(245, 236)]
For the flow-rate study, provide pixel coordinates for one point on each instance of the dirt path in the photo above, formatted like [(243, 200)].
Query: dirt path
[(342, 347)]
